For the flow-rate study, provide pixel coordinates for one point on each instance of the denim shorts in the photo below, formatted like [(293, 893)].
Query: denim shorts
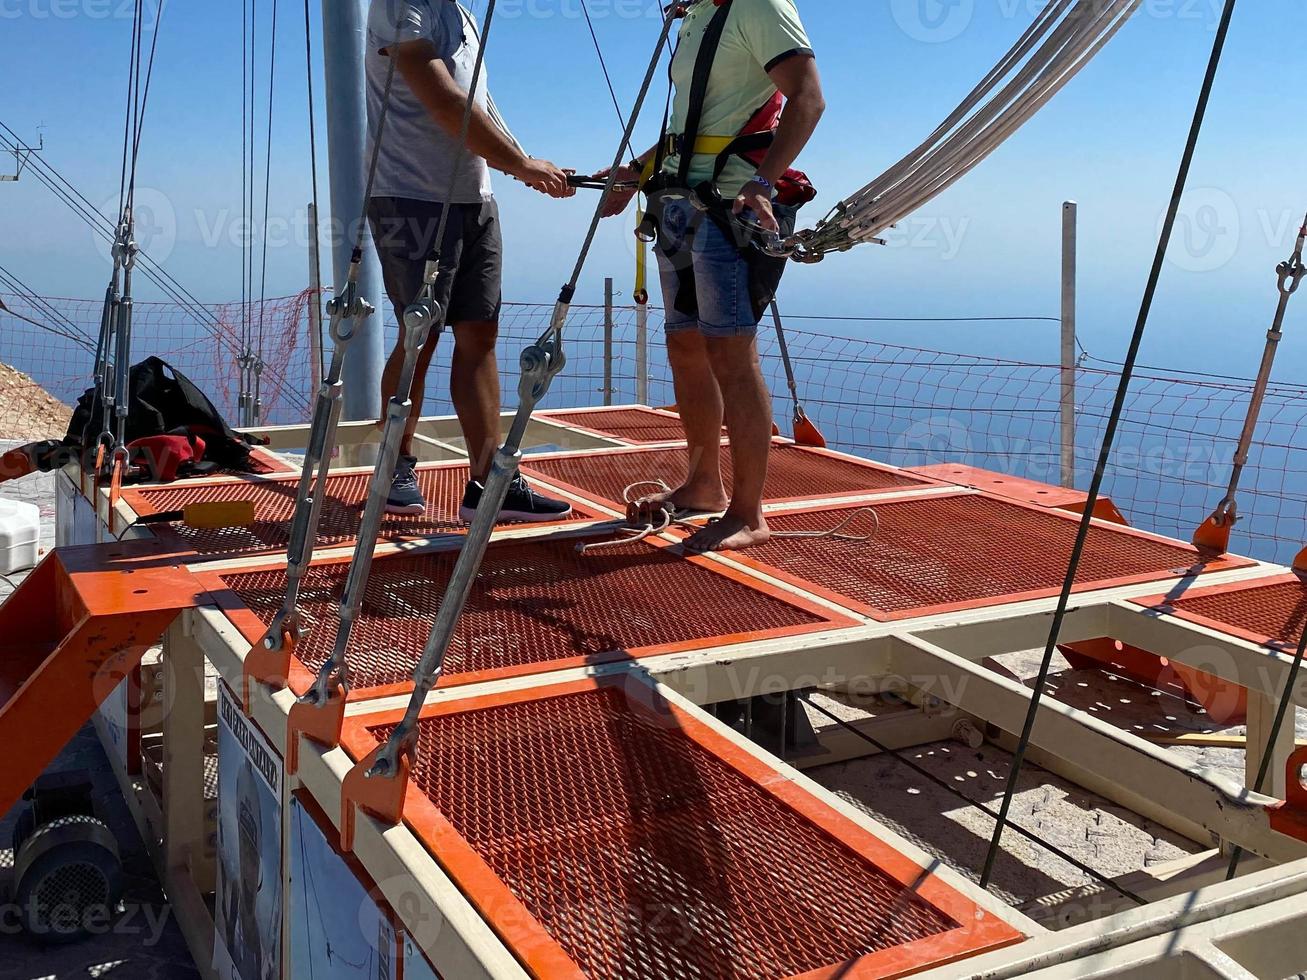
[(727, 289)]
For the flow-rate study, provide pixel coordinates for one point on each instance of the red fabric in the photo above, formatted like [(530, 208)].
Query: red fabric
[(14, 464), (794, 188), (162, 457)]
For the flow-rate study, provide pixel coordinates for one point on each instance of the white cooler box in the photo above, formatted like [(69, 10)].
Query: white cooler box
[(20, 536)]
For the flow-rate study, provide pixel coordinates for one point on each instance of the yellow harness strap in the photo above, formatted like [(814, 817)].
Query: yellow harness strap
[(641, 294), (703, 146)]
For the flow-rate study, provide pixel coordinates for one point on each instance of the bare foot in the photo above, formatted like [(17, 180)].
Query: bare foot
[(729, 533), (681, 501)]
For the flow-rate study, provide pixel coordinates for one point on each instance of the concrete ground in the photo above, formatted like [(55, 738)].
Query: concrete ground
[(143, 942)]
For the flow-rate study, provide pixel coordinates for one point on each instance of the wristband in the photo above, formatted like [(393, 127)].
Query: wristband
[(762, 182)]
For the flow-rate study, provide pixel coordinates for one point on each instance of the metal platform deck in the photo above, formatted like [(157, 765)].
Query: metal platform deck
[(641, 845), (575, 813)]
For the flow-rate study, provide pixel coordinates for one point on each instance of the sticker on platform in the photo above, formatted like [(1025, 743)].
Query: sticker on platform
[(338, 929), (249, 900)]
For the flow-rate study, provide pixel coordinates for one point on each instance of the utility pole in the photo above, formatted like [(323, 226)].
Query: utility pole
[(22, 154), (1070, 355), (344, 43)]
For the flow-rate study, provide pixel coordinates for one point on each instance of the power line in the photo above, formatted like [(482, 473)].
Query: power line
[(80, 205)]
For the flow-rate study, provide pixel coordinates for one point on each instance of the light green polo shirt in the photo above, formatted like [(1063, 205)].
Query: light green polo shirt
[(759, 35)]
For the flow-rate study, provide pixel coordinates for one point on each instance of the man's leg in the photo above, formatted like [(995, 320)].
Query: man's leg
[(748, 409), (474, 388), (390, 385), (699, 400)]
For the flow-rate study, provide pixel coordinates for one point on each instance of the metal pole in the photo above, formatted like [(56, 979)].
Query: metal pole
[(608, 341), (315, 306), (1069, 353), (344, 39), (642, 354)]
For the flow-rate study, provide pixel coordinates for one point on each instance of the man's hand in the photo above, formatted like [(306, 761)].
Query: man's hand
[(620, 199), (545, 177), (757, 198)]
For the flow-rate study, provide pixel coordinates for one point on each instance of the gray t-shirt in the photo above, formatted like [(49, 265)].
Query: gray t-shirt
[(417, 155)]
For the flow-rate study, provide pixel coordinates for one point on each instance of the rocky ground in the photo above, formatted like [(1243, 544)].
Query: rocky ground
[(27, 411)]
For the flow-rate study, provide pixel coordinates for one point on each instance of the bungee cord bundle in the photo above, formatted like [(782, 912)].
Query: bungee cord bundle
[(1062, 40)]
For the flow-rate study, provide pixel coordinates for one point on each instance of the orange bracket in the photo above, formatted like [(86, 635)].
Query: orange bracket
[(264, 666), (807, 434), (115, 491), (1214, 535), (1300, 563), (1290, 817), (322, 723), (381, 797)]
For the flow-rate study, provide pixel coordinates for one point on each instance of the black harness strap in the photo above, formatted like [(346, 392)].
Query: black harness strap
[(703, 66)]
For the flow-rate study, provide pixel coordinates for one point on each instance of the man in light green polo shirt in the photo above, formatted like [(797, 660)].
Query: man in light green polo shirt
[(715, 289)]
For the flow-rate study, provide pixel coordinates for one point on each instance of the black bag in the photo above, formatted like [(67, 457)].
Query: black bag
[(161, 401)]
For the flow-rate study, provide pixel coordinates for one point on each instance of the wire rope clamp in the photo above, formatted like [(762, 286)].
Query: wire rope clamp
[(268, 662), (377, 787)]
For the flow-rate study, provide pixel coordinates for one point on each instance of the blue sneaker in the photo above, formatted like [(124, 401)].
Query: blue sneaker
[(521, 505), (405, 498)]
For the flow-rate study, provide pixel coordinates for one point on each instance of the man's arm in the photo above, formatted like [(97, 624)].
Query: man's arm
[(800, 82), (429, 79), (620, 198)]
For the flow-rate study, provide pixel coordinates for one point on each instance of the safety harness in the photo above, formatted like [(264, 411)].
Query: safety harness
[(756, 245)]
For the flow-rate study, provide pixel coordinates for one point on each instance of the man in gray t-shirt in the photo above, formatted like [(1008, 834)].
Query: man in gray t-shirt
[(419, 173)]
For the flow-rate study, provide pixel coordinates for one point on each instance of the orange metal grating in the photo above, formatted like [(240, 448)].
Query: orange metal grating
[(639, 425), (642, 846), (274, 505), (536, 605), (793, 473), (939, 554), (1265, 612)]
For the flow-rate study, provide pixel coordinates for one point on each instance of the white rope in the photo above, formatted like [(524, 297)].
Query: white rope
[(668, 518), (1063, 38)]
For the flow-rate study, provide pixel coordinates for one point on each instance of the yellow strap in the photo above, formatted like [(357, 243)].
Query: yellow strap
[(641, 246), (703, 145)]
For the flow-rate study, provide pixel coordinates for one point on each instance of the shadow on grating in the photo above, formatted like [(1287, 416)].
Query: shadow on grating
[(534, 603)]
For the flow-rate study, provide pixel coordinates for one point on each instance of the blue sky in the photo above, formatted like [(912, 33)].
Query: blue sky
[(893, 69)]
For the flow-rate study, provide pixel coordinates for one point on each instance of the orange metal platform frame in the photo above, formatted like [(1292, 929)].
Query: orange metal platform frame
[(973, 930), (72, 631), (252, 626)]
